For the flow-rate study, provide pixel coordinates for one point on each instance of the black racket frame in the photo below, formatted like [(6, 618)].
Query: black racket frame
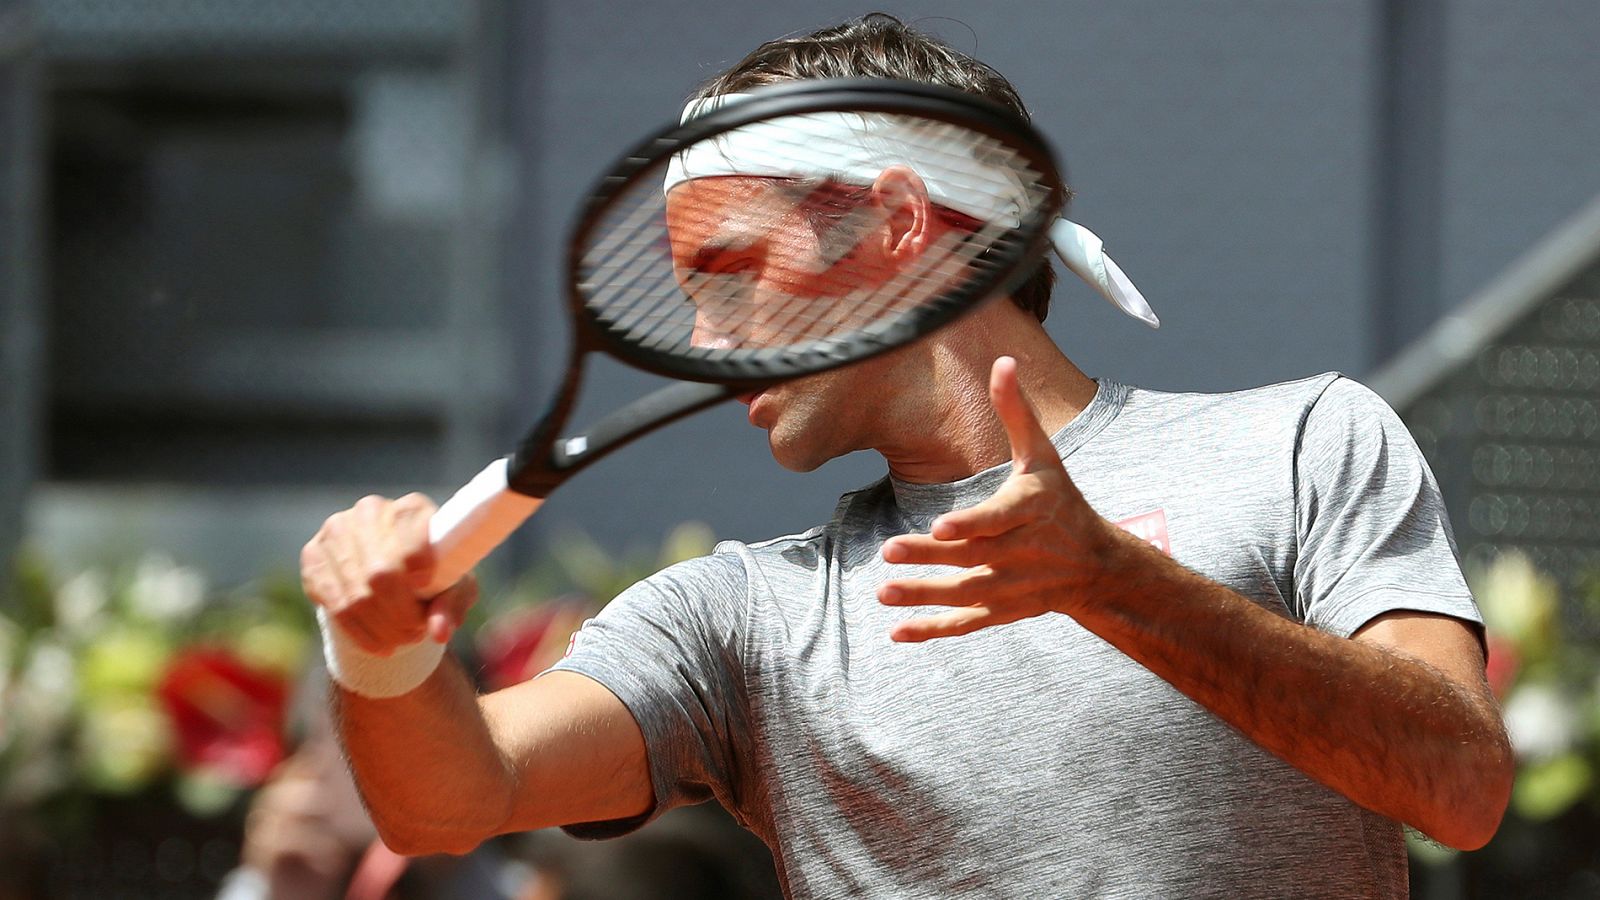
[(543, 460)]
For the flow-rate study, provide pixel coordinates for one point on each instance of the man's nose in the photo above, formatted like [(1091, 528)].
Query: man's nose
[(707, 336), (722, 309)]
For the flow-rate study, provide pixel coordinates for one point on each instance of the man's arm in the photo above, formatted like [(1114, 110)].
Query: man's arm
[(440, 768), (1400, 719)]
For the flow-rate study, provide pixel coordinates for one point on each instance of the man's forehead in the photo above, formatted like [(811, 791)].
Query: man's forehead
[(712, 194), (696, 209)]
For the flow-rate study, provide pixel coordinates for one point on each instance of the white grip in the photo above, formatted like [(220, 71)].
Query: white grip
[(477, 519)]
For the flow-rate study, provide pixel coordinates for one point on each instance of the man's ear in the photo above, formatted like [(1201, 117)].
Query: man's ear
[(907, 211)]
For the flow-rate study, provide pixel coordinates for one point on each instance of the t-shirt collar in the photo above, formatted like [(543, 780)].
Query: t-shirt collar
[(919, 499)]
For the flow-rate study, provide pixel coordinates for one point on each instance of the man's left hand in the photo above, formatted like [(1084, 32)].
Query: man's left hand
[(1034, 547)]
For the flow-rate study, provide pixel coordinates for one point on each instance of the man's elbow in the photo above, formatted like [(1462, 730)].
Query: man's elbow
[(1472, 820), (420, 842), (417, 836), (1466, 830), (418, 824)]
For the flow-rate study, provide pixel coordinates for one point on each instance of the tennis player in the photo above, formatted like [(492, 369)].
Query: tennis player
[(1084, 639)]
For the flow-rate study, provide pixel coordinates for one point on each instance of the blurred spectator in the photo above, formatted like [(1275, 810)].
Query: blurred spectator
[(307, 836), (305, 829)]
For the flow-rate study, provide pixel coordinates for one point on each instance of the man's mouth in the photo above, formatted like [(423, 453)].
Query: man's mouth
[(755, 413)]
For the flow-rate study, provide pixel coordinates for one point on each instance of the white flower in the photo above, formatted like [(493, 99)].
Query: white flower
[(80, 602), (1541, 721), (1517, 600), (48, 674), (163, 591), (124, 743), (41, 701)]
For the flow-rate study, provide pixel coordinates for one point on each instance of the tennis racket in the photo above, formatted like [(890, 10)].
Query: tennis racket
[(791, 190)]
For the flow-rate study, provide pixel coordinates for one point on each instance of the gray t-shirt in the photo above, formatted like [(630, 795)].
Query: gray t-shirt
[(1033, 759)]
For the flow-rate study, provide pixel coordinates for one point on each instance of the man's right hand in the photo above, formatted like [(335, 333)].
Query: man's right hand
[(366, 567), (553, 750)]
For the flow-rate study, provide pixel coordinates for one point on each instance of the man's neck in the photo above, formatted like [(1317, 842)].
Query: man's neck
[(962, 435)]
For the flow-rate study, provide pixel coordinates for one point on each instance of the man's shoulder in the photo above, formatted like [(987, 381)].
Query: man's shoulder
[(1281, 403), (798, 548), (1248, 427), (1301, 392)]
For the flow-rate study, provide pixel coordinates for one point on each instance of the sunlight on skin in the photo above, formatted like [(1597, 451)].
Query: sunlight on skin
[(745, 251), (723, 225)]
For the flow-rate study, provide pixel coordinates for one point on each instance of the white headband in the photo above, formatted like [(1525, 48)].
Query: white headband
[(857, 147)]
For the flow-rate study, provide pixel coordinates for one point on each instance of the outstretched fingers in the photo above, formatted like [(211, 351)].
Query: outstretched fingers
[(958, 589), (1018, 500), (1013, 506), (954, 623), (1031, 448), (922, 549), (1008, 546)]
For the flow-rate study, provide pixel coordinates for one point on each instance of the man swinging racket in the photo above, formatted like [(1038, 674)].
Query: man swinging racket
[(1084, 639)]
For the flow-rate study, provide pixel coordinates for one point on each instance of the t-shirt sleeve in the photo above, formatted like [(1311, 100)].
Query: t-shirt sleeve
[(669, 648), (1372, 528)]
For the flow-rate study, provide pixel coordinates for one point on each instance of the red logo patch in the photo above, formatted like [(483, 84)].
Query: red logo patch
[(1152, 527), (572, 642)]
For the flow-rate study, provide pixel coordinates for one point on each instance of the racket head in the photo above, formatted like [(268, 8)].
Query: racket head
[(631, 296)]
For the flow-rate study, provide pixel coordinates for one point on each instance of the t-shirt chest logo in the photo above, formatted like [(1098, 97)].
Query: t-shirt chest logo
[(1150, 526)]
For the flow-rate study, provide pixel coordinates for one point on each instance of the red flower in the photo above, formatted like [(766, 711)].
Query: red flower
[(228, 716), (1503, 664), (522, 644)]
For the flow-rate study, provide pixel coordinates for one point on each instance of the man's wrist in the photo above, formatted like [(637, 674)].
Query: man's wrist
[(368, 674), (1124, 566)]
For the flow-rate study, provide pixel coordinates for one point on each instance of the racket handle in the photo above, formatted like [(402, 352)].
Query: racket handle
[(477, 519)]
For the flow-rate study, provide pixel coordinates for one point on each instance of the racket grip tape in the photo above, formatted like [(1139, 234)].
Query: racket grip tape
[(477, 519)]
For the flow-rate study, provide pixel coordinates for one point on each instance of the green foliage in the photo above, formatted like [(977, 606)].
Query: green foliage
[(575, 564), (1549, 788), (81, 659), (83, 656)]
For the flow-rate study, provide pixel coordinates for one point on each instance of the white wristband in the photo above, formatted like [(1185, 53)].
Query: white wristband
[(370, 675)]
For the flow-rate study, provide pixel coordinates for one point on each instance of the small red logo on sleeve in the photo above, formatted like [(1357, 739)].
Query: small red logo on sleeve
[(1152, 527), (572, 642)]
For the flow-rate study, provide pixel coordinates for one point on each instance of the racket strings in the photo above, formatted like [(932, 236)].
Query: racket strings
[(776, 288), (632, 299)]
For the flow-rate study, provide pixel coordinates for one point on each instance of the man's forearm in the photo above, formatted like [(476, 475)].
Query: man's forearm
[(428, 770), (1386, 730)]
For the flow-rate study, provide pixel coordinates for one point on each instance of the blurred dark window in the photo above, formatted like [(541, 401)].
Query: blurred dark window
[(248, 267)]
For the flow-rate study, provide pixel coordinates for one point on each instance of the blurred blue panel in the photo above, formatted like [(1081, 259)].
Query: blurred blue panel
[(1522, 125), (112, 27)]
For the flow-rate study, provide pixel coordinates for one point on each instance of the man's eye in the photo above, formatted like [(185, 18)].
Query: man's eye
[(731, 265)]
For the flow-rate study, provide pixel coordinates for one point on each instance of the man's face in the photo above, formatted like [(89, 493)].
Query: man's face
[(766, 261), (748, 255)]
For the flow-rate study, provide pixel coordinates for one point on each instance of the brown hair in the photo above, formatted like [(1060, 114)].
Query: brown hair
[(879, 45)]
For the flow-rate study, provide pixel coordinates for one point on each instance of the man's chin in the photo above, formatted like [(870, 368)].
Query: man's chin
[(792, 457)]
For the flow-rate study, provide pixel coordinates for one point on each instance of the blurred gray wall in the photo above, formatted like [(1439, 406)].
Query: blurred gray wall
[(19, 296), (1297, 187)]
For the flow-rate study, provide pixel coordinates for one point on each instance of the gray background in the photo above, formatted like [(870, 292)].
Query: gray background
[(1238, 159), (1296, 186)]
